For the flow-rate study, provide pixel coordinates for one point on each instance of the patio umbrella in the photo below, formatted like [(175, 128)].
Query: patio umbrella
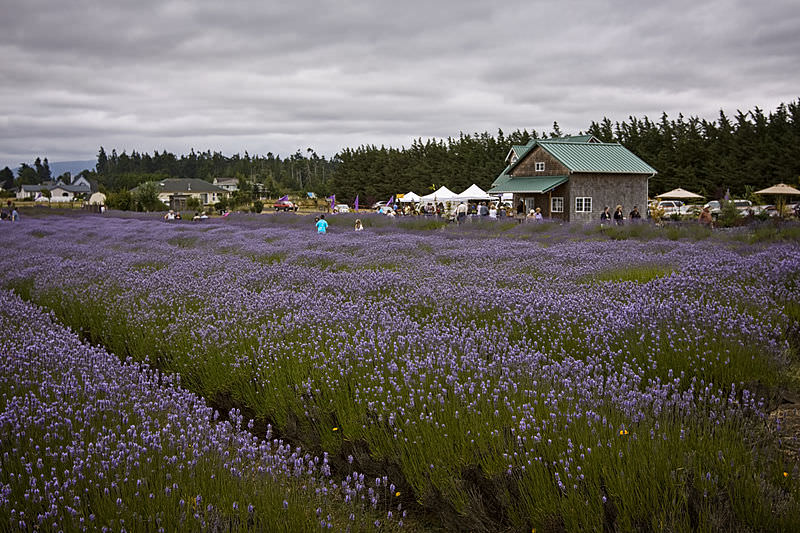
[(679, 194), (780, 190)]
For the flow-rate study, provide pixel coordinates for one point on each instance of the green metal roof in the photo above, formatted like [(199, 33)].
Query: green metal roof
[(596, 157), (502, 177), (526, 184), (610, 158), (573, 139), (520, 150)]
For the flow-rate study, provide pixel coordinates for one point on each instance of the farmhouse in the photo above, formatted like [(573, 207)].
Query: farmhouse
[(174, 192), (574, 178), (229, 184), (54, 192)]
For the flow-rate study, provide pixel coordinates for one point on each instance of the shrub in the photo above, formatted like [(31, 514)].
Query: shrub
[(193, 204), (729, 216)]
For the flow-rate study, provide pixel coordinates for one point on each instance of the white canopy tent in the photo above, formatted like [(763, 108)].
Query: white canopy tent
[(410, 197), (474, 192), (442, 194)]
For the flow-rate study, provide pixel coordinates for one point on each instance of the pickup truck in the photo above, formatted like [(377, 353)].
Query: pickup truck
[(284, 205)]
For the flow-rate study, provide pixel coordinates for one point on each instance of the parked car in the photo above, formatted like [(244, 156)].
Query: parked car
[(674, 207), (713, 206), (284, 205), (377, 205), (341, 208), (771, 210), (745, 207)]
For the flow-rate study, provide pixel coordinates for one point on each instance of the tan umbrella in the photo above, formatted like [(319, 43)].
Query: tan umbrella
[(679, 194), (780, 190)]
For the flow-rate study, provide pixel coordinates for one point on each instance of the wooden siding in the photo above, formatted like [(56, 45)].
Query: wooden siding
[(607, 190), (527, 167)]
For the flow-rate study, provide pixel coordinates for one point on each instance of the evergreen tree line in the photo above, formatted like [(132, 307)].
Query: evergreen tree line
[(751, 151), (26, 174), (748, 152), (276, 175)]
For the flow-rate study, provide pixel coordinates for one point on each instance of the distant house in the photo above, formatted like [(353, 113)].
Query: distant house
[(574, 178), (229, 184), (52, 191), (174, 192), (82, 181), (28, 192)]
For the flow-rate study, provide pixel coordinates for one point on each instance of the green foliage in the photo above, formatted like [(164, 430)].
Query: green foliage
[(6, 178), (258, 206), (145, 198), (728, 214), (193, 204), (122, 200), (26, 175), (753, 149), (637, 273)]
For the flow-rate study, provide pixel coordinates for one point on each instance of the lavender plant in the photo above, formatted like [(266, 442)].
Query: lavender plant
[(525, 383), (90, 442)]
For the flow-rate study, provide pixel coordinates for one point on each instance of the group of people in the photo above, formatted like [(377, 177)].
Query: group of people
[(9, 212), (322, 225), (176, 215), (450, 210), (619, 216)]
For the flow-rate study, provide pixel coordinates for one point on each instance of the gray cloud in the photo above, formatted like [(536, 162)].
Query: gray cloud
[(279, 77)]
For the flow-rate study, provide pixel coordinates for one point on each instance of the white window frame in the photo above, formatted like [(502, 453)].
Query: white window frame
[(539, 166), (583, 204), (530, 204), (557, 204)]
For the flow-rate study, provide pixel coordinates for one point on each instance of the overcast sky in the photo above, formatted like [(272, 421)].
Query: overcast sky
[(281, 76)]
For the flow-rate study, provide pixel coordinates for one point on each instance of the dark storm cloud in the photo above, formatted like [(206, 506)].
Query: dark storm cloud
[(280, 77)]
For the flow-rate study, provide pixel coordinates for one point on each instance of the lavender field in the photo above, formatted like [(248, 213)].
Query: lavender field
[(482, 378)]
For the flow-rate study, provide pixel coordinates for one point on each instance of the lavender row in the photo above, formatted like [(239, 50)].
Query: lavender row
[(535, 366), (90, 442)]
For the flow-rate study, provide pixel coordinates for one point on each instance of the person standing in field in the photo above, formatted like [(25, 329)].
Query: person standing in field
[(461, 213), (635, 215), (605, 216), (359, 226), (705, 218), (537, 215), (322, 225), (618, 216)]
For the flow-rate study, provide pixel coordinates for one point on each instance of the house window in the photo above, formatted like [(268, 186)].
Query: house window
[(583, 204), (557, 204), (540, 166)]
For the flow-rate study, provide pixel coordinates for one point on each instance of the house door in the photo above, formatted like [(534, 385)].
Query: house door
[(530, 204)]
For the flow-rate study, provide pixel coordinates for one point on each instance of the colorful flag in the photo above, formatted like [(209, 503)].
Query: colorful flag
[(332, 198), (390, 203), (284, 198), (356, 204)]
